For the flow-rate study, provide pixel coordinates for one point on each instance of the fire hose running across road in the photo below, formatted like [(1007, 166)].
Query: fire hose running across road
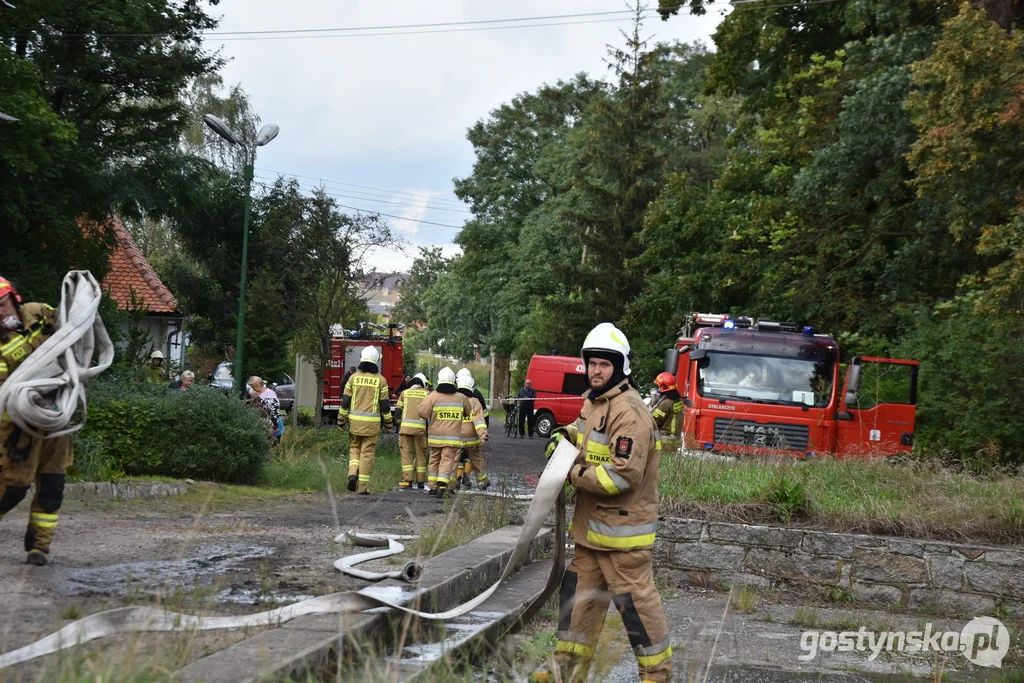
[(148, 619)]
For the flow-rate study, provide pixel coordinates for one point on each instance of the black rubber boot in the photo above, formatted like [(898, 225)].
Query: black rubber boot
[(353, 482), (36, 557)]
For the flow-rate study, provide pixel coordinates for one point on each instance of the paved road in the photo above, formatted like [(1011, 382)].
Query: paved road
[(514, 463)]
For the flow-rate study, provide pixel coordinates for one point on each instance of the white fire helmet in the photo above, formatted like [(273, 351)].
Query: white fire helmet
[(610, 339), (446, 376), (421, 377), (370, 354), (157, 354), (465, 381)]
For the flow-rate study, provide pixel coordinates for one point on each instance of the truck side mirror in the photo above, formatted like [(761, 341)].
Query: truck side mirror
[(853, 378), (701, 356), (671, 361)]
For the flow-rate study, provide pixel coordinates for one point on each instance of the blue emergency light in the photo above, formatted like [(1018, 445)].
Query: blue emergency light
[(728, 325), (808, 331)]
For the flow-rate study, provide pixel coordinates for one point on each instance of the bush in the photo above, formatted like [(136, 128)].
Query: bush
[(144, 429)]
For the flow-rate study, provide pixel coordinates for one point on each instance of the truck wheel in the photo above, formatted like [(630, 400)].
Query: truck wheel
[(545, 424)]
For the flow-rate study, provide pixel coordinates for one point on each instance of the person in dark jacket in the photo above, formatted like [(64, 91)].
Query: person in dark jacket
[(527, 395)]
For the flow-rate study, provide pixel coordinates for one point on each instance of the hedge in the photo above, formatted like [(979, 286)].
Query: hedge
[(146, 429)]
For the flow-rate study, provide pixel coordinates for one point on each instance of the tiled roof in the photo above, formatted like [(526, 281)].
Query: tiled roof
[(129, 271)]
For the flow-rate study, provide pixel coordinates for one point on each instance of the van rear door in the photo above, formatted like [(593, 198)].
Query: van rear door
[(878, 406)]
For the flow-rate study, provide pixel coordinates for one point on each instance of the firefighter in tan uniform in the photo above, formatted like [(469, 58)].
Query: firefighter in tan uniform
[(616, 479), (474, 430), (668, 413), (444, 409), (363, 402), (24, 459), (412, 435)]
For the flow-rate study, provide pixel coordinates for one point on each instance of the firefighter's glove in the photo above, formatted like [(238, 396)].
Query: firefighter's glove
[(343, 424), (553, 444), (16, 447)]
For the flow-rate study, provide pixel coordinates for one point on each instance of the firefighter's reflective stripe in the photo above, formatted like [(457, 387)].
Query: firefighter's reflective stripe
[(432, 476), (668, 438), (611, 481), (658, 413), (653, 654), (442, 478), (578, 649), (598, 449), (413, 422), (364, 477), (440, 441), (471, 440), (621, 536), (361, 416), (479, 424), (43, 519), (421, 470), (3, 371), (408, 468)]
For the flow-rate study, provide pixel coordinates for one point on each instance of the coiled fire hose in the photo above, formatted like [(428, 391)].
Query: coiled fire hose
[(43, 393), (411, 572), (549, 494)]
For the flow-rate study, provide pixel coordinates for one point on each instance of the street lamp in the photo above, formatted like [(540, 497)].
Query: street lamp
[(266, 134)]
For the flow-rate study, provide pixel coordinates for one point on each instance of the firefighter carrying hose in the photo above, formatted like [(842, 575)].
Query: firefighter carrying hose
[(474, 429), (444, 409), (616, 479), (365, 399), (412, 435), (25, 459), (668, 413)]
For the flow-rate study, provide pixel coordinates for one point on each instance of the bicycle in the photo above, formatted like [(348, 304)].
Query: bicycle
[(511, 417)]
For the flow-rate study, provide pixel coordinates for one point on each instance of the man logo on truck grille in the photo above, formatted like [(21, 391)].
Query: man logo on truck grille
[(759, 435)]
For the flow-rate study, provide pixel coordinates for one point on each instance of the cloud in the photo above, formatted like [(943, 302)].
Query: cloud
[(392, 111)]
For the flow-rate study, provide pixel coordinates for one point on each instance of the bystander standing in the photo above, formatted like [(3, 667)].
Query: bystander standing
[(527, 395), (183, 382), (267, 398)]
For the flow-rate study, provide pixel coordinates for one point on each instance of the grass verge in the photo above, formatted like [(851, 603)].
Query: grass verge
[(309, 459), (908, 498), (466, 518)]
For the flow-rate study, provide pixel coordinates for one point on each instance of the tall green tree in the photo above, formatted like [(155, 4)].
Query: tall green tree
[(98, 86), (328, 253)]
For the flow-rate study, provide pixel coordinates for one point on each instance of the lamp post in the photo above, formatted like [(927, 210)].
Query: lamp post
[(266, 134)]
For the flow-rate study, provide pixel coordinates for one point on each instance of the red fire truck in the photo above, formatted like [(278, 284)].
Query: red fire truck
[(345, 349), (758, 386)]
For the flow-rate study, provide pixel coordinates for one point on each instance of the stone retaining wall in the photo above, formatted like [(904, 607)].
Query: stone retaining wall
[(106, 490), (954, 578)]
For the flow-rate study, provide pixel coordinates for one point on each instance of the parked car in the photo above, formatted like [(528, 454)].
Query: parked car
[(223, 377)]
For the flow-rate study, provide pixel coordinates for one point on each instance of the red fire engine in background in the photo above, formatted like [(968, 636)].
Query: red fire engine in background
[(345, 349), (758, 386)]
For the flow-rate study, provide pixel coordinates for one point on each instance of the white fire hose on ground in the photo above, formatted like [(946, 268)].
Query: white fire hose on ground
[(411, 572), (42, 393), (149, 619)]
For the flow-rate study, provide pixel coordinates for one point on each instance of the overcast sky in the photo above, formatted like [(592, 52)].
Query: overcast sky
[(390, 112)]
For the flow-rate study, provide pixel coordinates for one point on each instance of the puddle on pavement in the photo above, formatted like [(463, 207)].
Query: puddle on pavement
[(152, 577)]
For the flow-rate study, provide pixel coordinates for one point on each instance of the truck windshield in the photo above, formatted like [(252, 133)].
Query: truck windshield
[(767, 379)]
